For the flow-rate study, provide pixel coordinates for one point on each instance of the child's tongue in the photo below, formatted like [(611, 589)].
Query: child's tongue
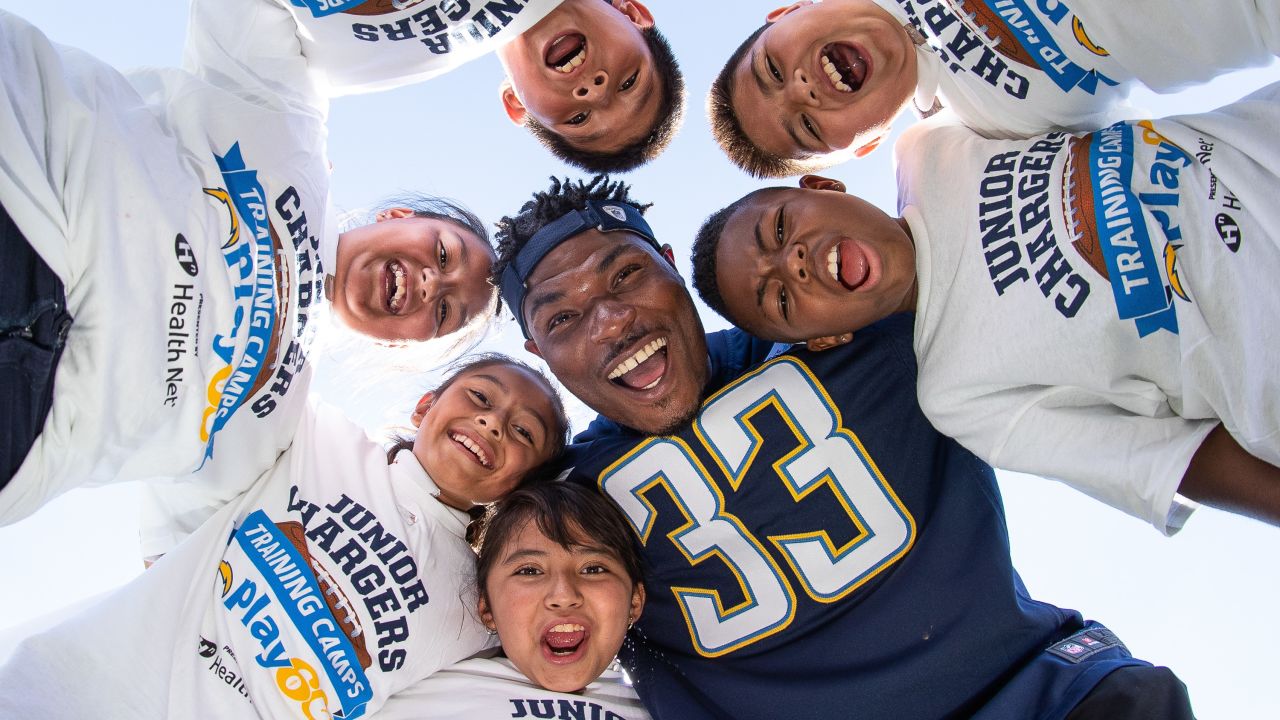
[(646, 372), (564, 639), (853, 265)]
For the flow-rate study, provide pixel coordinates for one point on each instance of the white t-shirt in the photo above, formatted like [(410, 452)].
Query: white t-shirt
[(493, 689), (336, 581), (1089, 307), (187, 222), (359, 46), (1018, 68)]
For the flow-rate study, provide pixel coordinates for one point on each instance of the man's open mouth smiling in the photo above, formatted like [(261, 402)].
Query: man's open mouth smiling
[(844, 66), (642, 369)]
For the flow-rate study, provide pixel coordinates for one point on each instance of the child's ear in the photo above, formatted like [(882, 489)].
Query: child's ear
[(773, 16), (391, 213), (486, 615), (865, 148), (818, 182), (637, 601), (828, 342), (420, 410), (638, 14), (511, 103)]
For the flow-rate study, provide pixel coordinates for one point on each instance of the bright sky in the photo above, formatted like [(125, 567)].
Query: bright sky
[(1201, 602)]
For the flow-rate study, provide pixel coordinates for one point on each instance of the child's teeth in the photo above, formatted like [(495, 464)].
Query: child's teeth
[(397, 273), (830, 68), (573, 62), (833, 263), (568, 627)]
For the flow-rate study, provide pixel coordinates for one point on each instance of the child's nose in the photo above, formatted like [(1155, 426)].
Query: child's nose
[(796, 262), (488, 424), (593, 86), (800, 89)]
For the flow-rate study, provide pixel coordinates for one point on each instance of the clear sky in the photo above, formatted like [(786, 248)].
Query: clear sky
[(1201, 602)]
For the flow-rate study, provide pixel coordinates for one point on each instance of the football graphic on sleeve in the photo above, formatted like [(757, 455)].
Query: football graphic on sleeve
[(381, 7), (1077, 204), (986, 21), (339, 605)]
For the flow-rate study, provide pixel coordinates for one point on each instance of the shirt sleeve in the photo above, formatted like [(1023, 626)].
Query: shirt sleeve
[(252, 48), (1131, 462)]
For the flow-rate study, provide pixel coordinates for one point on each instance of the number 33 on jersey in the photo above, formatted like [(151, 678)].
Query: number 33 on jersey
[(852, 524)]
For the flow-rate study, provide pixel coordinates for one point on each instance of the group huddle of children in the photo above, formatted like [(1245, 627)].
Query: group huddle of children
[(1074, 272)]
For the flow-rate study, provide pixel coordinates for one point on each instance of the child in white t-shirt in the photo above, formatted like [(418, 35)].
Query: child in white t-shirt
[(1095, 308), (338, 579), (187, 225), (821, 82)]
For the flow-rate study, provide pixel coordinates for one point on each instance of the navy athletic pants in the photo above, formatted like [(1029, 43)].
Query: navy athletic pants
[(33, 330)]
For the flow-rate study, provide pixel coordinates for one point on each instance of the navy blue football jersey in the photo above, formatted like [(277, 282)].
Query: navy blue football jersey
[(815, 548)]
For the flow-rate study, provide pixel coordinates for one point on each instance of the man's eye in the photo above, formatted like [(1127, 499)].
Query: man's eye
[(773, 69), (626, 84), (809, 127), (625, 273), (557, 320), (578, 119)]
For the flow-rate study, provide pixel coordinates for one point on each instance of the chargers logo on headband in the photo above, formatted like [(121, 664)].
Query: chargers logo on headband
[(605, 217)]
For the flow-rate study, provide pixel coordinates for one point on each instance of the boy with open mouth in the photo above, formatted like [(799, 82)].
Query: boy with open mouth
[(821, 82), (1090, 308), (593, 80)]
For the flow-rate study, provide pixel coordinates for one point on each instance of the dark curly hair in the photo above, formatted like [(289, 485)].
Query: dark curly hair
[(734, 141), (514, 231), (705, 246), (670, 116)]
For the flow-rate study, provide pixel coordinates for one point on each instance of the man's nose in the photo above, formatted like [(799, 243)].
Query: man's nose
[(592, 87), (610, 320)]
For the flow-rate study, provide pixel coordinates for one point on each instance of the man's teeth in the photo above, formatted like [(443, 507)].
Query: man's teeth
[(578, 58), (641, 355), (475, 449), (833, 263), (397, 273), (830, 68)]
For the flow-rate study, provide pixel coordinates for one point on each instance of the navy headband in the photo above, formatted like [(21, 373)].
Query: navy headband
[(605, 217)]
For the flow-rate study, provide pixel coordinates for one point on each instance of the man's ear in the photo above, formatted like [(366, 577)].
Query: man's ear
[(638, 14), (392, 213), (776, 14), (865, 148), (420, 410), (532, 347), (511, 103), (818, 182), (666, 252), (828, 342)]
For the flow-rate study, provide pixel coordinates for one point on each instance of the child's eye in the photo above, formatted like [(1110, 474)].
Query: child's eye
[(594, 570), (444, 255), (522, 432), (779, 231), (443, 313), (579, 118), (527, 570), (783, 305), (480, 397), (809, 126), (626, 84), (773, 69)]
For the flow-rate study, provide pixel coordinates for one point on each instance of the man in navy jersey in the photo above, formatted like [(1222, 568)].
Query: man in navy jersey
[(815, 547)]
